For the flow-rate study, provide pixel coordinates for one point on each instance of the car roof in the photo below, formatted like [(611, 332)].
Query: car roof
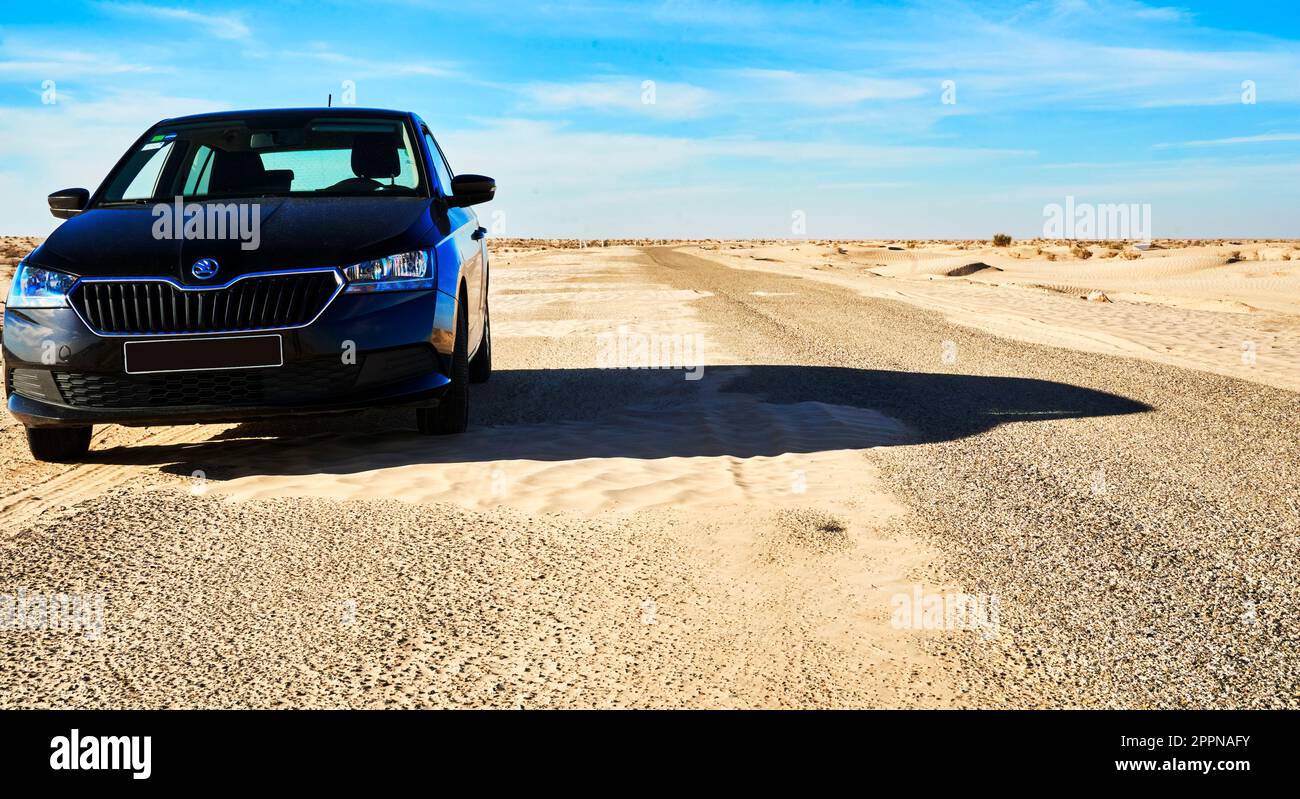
[(254, 113)]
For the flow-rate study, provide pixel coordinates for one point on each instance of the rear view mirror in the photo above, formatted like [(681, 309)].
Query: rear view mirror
[(471, 190), (67, 203)]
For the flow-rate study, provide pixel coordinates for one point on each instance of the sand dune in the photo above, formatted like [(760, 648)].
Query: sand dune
[(1224, 308), (620, 464)]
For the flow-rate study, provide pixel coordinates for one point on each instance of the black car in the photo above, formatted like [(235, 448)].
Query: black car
[(253, 263)]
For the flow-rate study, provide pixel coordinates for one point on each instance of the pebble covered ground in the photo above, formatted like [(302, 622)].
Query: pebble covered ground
[(1139, 523)]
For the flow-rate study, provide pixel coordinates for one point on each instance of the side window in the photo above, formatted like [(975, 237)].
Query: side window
[(445, 163), (196, 182), (144, 186), (439, 163)]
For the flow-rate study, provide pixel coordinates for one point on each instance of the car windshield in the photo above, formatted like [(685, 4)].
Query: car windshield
[(298, 156)]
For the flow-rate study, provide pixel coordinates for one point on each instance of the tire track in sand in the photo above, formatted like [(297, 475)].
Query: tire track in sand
[(83, 481)]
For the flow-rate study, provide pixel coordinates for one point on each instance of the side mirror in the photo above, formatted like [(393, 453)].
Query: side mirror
[(471, 190), (68, 203)]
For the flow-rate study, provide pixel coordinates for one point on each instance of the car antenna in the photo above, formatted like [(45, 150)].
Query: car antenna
[(329, 100)]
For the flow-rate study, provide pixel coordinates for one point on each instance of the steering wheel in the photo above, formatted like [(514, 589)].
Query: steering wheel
[(356, 184)]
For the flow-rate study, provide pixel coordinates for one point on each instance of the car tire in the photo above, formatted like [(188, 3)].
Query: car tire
[(58, 444), (480, 366), (451, 414)]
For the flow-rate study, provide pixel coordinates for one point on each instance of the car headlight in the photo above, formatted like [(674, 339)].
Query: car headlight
[(36, 287), (404, 271)]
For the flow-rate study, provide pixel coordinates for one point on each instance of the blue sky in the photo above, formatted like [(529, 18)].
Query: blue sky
[(760, 110)]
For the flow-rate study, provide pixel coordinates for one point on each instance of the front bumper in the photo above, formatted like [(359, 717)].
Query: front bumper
[(364, 350)]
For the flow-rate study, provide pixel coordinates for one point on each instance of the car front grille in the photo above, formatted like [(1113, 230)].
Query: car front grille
[(159, 307), (300, 382), (227, 388)]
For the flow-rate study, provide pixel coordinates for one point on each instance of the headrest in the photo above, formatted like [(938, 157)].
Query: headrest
[(278, 180), (374, 155), (237, 171)]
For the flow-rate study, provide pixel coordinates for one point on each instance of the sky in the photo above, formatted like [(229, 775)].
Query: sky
[(731, 118)]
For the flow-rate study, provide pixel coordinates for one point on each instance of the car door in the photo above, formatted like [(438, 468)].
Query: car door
[(464, 244)]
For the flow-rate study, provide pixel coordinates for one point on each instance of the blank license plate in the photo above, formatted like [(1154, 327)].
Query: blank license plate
[(200, 354)]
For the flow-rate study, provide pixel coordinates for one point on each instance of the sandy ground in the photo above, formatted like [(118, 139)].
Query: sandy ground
[(1232, 309), (616, 537)]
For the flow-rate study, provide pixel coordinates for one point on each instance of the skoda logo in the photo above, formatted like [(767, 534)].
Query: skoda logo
[(205, 269)]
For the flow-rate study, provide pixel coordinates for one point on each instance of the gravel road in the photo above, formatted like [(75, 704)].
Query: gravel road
[(1136, 523)]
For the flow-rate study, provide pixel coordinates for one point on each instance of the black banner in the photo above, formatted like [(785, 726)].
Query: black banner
[(212, 748)]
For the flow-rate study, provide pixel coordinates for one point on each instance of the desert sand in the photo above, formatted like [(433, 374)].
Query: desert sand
[(870, 420), (1232, 308)]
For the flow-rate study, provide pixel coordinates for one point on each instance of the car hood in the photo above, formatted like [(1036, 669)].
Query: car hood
[(289, 233)]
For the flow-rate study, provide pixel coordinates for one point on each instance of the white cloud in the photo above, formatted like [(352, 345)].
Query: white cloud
[(358, 67), (558, 180), (222, 26), (533, 153), (1263, 137), (1117, 55), (734, 90), (30, 63), (652, 97), (1163, 13), (823, 88)]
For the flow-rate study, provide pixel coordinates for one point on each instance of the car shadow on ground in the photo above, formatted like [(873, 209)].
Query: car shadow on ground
[(569, 414)]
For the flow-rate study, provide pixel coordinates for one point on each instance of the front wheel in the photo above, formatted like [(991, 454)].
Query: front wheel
[(451, 414), (58, 444)]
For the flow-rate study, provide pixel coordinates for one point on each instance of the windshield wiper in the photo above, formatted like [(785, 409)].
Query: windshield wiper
[(186, 200), (138, 201)]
